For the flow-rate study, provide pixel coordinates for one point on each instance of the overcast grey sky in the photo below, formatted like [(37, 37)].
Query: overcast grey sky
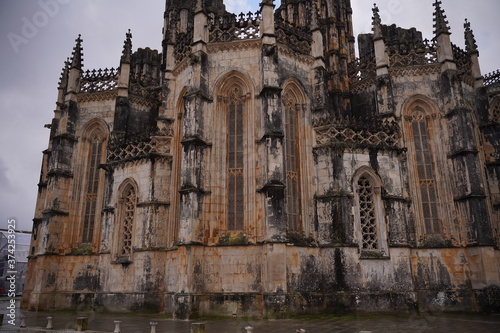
[(36, 36)]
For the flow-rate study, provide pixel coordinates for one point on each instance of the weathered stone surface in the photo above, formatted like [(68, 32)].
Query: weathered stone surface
[(257, 168)]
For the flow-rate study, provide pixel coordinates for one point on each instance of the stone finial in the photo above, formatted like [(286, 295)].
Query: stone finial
[(470, 40), (377, 23), (440, 22), (127, 48), (77, 55)]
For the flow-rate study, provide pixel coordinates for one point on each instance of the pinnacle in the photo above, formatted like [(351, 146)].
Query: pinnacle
[(470, 40), (127, 48), (377, 22), (64, 74), (77, 55), (440, 22)]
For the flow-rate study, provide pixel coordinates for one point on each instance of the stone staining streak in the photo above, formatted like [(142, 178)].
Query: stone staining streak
[(254, 167)]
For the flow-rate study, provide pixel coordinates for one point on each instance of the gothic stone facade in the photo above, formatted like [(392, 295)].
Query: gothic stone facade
[(256, 167)]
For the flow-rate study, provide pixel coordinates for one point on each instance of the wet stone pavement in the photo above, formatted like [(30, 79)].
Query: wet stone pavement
[(456, 323), (130, 323)]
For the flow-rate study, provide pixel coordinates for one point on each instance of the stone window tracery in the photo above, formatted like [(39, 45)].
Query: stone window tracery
[(235, 169), (127, 204), (368, 220), (292, 161), (371, 230), (96, 148), (495, 110), (425, 172)]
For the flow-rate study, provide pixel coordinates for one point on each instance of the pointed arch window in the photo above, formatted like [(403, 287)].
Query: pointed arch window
[(93, 151), (94, 159), (495, 110), (425, 172), (370, 225), (292, 161), (235, 181), (127, 212)]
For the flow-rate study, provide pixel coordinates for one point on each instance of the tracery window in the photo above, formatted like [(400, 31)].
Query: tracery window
[(127, 205), (367, 215), (292, 162), (94, 159), (495, 110), (89, 183), (425, 173), (235, 169)]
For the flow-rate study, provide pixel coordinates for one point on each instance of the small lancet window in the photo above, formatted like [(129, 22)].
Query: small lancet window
[(368, 219), (127, 207), (495, 110), (371, 228)]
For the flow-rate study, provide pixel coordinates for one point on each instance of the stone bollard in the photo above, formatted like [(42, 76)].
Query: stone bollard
[(23, 322), (82, 324), (49, 323), (249, 329), (197, 328), (117, 326), (153, 326)]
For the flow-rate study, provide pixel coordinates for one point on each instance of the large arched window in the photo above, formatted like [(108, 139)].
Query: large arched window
[(127, 203), (235, 176), (424, 151), (425, 173), (371, 230), (233, 182), (293, 102), (94, 138)]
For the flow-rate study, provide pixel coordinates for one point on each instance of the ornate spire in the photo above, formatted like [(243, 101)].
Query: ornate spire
[(440, 22), (127, 48), (376, 23), (63, 80), (77, 55), (470, 40)]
